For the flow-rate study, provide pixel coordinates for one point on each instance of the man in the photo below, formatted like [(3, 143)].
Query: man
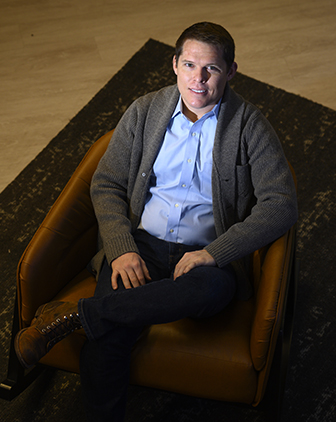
[(193, 181)]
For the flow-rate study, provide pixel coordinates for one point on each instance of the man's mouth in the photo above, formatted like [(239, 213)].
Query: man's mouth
[(198, 91)]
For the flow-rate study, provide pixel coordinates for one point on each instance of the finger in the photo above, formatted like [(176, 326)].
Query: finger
[(136, 278), (192, 260), (140, 274), (124, 278), (184, 266), (114, 279), (183, 269), (145, 271), (133, 277)]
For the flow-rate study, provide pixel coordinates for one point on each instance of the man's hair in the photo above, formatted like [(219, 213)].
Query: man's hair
[(210, 33)]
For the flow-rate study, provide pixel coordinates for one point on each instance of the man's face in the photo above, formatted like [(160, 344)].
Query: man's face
[(202, 74)]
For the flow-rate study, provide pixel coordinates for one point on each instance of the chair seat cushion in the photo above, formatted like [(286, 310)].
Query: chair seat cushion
[(210, 358)]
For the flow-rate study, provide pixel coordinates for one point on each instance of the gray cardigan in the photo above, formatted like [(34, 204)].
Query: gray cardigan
[(254, 198)]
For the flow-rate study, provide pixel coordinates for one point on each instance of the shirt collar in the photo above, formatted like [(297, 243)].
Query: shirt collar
[(213, 112)]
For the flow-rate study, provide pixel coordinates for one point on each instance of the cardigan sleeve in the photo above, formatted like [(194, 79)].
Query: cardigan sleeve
[(109, 189), (264, 204)]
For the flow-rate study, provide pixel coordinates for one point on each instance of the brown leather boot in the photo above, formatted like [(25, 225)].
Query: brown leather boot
[(53, 322)]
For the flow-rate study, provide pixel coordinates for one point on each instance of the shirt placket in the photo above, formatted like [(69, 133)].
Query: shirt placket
[(181, 191)]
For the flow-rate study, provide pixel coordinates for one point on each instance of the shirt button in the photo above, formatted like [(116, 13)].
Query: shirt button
[(176, 205), (171, 231), (194, 134), (189, 160), (143, 174), (184, 185)]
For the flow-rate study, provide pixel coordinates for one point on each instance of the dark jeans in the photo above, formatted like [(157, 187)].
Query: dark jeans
[(114, 319)]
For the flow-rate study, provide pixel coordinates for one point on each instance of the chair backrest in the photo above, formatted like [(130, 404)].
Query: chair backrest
[(65, 241)]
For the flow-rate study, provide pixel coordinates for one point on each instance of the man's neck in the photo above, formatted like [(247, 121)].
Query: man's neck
[(193, 117)]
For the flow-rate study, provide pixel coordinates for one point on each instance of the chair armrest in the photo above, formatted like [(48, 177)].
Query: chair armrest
[(271, 276), (270, 299), (64, 243)]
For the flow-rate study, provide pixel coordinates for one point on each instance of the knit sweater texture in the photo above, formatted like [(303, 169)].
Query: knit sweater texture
[(254, 197)]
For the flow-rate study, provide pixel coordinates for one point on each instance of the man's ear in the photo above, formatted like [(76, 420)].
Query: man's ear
[(232, 71), (175, 65)]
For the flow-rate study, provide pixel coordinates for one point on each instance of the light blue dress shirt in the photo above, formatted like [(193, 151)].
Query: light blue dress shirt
[(179, 204)]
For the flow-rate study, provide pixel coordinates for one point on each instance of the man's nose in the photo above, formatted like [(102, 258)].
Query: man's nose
[(201, 75)]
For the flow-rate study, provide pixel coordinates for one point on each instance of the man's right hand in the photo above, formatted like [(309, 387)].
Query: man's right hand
[(132, 270)]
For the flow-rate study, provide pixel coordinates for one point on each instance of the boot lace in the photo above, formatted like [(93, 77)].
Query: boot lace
[(61, 328)]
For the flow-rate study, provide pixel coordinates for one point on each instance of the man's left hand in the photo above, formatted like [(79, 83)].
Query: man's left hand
[(192, 260)]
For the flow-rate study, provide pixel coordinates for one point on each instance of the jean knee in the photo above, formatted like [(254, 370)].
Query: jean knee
[(218, 287)]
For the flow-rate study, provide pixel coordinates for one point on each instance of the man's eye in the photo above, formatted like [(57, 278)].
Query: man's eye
[(214, 69), (189, 64)]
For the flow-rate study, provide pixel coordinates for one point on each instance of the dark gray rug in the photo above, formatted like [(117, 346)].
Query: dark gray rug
[(307, 131)]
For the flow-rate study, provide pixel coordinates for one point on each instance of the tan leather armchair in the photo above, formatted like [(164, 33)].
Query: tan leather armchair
[(227, 357)]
